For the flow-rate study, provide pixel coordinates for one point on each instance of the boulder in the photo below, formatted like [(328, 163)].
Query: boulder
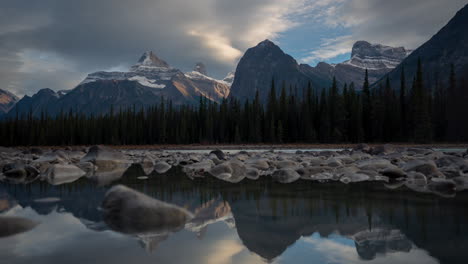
[(442, 187), (285, 175), (129, 211), (260, 164), (383, 149), (426, 167), (374, 164), (362, 147), (14, 225), (219, 154), (63, 173), (147, 164), (162, 167), (106, 158), (230, 171), (252, 174), (351, 177)]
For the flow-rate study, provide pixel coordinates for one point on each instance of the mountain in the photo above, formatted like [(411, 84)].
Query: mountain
[(376, 58), (146, 82), (7, 101), (448, 46), (38, 103), (264, 63)]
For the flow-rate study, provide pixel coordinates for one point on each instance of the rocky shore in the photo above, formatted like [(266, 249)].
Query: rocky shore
[(422, 170)]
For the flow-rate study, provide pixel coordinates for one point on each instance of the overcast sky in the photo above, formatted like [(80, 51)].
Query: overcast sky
[(56, 43)]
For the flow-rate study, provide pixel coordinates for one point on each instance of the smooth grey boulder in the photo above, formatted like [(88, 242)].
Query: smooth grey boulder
[(129, 211), (63, 173), (229, 171), (362, 147), (252, 174), (285, 175), (426, 167), (260, 164), (353, 177), (461, 183), (162, 167), (442, 187), (286, 164), (198, 169), (106, 158), (147, 164), (383, 149), (376, 164), (219, 154), (10, 226)]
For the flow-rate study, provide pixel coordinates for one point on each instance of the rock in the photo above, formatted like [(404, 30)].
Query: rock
[(252, 174), (128, 211), (461, 182), (285, 164), (383, 149), (219, 153), (324, 176), (353, 177), (162, 167), (285, 175), (362, 147), (261, 164), (147, 163), (20, 173), (106, 158), (374, 164), (393, 173), (426, 167), (14, 225), (198, 169), (63, 173), (453, 161), (87, 167), (53, 157), (333, 162), (417, 182), (230, 171), (442, 187)]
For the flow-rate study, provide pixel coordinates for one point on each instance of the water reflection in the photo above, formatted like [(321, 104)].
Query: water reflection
[(249, 222)]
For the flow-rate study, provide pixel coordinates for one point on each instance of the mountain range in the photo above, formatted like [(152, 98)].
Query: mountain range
[(152, 78)]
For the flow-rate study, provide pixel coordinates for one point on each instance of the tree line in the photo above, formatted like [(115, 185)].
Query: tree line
[(421, 113)]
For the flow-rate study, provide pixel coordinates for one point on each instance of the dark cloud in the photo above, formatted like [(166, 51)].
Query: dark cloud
[(94, 35)]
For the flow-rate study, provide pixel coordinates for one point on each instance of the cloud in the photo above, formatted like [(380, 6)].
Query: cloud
[(407, 23), (91, 35)]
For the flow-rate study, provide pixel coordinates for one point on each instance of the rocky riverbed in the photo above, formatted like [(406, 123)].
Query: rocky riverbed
[(423, 170)]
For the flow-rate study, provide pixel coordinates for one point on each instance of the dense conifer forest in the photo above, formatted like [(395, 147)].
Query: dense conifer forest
[(422, 113)]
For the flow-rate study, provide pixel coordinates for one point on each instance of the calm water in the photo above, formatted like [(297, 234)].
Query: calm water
[(250, 222)]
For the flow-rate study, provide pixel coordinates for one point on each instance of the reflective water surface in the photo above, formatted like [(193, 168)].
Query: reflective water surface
[(249, 222)]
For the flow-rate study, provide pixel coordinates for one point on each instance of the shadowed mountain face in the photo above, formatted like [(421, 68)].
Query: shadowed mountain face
[(142, 86), (7, 101), (448, 46), (269, 218), (264, 63)]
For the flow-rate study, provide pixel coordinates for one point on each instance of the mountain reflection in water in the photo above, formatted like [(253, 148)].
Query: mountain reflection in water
[(249, 222)]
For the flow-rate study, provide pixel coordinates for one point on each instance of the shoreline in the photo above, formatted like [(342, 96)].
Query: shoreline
[(255, 146)]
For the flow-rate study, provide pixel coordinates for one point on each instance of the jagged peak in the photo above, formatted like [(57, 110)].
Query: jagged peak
[(150, 59), (201, 68)]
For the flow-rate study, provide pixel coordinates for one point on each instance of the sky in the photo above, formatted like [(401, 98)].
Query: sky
[(56, 43)]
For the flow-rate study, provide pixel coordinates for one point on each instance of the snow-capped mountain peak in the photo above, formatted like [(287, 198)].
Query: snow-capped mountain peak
[(149, 59), (376, 56)]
